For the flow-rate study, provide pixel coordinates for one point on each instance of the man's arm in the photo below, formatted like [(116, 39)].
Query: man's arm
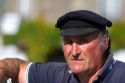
[(13, 68)]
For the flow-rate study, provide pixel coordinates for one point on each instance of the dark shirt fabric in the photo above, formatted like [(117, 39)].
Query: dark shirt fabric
[(53, 72)]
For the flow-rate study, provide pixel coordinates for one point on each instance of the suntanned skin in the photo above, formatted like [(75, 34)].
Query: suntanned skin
[(13, 68), (84, 55)]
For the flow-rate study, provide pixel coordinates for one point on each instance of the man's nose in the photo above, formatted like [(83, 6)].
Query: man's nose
[(75, 50)]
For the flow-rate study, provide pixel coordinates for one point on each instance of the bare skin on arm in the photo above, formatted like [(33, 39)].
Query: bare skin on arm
[(13, 68)]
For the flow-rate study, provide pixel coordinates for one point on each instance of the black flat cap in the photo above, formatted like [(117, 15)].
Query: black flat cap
[(81, 22)]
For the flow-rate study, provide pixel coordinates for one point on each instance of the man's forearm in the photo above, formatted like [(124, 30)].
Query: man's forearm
[(10, 68)]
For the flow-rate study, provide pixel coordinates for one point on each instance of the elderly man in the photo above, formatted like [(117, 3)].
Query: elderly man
[(86, 46)]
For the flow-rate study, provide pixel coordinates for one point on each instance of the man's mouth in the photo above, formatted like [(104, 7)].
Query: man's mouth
[(77, 59)]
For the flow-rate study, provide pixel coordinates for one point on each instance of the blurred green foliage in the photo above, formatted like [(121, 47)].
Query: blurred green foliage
[(39, 37), (117, 34), (43, 39)]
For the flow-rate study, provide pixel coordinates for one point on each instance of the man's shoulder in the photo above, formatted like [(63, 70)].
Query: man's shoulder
[(116, 74), (119, 68), (45, 72), (50, 66), (120, 64)]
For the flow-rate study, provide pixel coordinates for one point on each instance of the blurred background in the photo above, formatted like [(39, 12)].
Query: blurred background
[(27, 28)]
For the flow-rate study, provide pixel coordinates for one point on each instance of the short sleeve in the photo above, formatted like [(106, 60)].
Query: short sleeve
[(46, 73), (27, 71)]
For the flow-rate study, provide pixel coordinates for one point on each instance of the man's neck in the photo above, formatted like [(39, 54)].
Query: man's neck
[(89, 79)]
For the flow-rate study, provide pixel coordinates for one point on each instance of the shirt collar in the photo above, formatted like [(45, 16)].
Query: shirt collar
[(107, 67)]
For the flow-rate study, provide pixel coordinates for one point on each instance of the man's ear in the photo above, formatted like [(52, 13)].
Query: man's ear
[(106, 41)]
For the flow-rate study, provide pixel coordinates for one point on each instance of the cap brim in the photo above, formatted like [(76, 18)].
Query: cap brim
[(77, 31)]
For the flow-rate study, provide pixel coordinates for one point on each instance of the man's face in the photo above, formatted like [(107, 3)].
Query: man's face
[(83, 53)]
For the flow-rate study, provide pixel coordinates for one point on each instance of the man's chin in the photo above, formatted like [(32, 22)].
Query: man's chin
[(77, 69)]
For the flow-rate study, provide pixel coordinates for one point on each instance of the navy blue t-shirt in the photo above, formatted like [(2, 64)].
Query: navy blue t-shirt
[(51, 73), (112, 72)]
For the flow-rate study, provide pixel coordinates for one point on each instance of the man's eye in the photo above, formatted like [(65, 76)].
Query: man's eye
[(83, 42)]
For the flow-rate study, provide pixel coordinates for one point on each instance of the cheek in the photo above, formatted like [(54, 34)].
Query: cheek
[(91, 49), (92, 54), (66, 49)]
